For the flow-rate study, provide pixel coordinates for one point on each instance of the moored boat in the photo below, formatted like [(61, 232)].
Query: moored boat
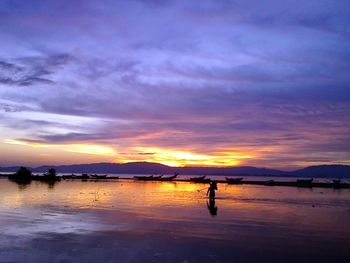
[(136, 177), (336, 183), (200, 179), (83, 176), (68, 176), (148, 178), (270, 182), (96, 176), (305, 182), (234, 180), (158, 177), (170, 178)]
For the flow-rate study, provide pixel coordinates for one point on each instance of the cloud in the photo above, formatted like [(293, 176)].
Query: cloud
[(29, 71)]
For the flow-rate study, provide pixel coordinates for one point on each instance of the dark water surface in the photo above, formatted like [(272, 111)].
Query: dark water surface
[(127, 221)]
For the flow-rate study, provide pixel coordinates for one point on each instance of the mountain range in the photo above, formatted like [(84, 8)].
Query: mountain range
[(340, 171)]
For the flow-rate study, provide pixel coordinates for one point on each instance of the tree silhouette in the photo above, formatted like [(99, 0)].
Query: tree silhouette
[(51, 173), (23, 173), (22, 177)]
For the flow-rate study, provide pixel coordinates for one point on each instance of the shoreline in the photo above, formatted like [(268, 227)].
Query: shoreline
[(341, 185)]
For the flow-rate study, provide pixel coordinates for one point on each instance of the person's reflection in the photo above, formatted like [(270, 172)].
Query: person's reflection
[(213, 210)]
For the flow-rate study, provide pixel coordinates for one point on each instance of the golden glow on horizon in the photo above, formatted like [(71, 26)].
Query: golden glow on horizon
[(187, 158), (77, 148), (91, 149), (177, 158)]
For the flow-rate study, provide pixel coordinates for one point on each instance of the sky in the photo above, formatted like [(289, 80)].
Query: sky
[(215, 83)]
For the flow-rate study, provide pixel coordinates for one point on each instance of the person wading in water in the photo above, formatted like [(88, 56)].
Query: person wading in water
[(211, 204), (211, 191)]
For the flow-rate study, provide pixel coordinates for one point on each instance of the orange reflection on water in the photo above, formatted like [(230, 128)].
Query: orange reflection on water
[(172, 202)]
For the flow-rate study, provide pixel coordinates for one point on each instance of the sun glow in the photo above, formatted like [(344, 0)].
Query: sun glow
[(176, 158), (91, 149), (187, 158)]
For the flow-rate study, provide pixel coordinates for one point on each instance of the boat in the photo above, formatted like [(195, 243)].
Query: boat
[(200, 179), (336, 183), (270, 182), (234, 180), (156, 177), (69, 176), (96, 176), (148, 178), (83, 176), (305, 182), (170, 178), (141, 178)]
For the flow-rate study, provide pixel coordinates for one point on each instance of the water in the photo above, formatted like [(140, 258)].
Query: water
[(128, 221)]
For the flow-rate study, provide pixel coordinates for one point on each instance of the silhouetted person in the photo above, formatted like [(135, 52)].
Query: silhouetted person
[(211, 191), (212, 208)]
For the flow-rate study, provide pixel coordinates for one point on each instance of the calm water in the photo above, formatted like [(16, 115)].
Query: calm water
[(245, 178), (127, 221)]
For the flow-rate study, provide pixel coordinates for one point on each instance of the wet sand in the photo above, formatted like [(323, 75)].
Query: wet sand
[(128, 221)]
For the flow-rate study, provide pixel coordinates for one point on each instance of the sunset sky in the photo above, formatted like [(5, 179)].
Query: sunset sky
[(261, 83)]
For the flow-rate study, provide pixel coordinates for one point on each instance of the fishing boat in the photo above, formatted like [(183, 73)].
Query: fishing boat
[(270, 182), (305, 182), (336, 183), (234, 180), (148, 178), (96, 176), (68, 176), (158, 177), (153, 178), (143, 178), (170, 178), (85, 176), (200, 179)]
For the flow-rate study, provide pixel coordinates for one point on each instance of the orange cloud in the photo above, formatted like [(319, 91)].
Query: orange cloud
[(185, 157), (92, 149)]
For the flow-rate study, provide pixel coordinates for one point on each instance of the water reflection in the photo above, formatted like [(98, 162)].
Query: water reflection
[(159, 222), (50, 184), (24, 184), (213, 210)]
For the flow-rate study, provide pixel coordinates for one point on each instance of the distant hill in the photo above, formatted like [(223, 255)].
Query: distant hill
[(325, 171), (156, 168), (126, 168)]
